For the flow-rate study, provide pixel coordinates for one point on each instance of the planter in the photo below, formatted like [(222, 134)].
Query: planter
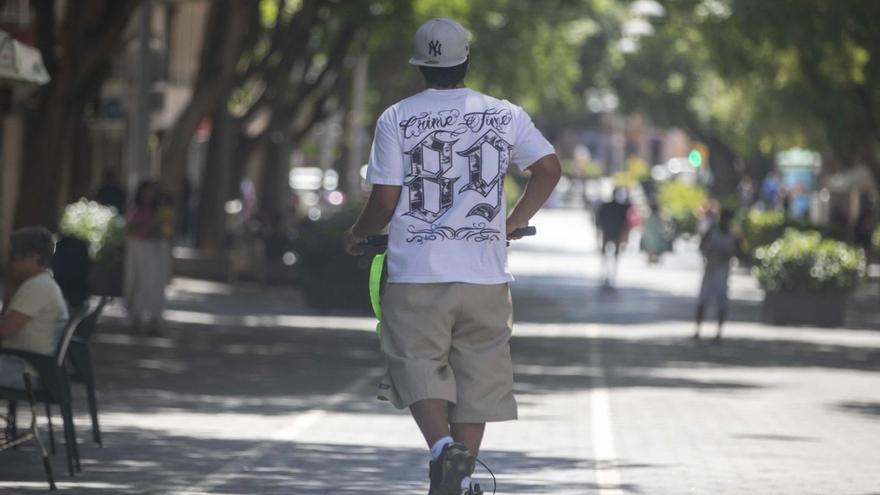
[(823, 309), (106, 278), (336, 284)]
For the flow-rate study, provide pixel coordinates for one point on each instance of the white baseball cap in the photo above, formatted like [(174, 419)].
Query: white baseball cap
[(441, 42)]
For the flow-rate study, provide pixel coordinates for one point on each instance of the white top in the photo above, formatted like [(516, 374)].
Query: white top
[(450, 150), (719, 248), (40, 298)]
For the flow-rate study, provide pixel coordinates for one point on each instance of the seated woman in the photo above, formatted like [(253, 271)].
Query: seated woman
[(34, 311)]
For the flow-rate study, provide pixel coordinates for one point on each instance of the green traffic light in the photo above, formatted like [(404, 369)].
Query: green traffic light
[(695, 159)]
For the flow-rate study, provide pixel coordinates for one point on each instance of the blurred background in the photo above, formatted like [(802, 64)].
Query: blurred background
[(257, 116), (254, 119)]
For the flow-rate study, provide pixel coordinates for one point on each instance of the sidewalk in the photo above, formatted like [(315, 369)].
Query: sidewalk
[(248, 392), (231, 368)]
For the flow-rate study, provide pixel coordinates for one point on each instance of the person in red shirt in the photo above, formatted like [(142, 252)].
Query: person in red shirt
[(145, 277)]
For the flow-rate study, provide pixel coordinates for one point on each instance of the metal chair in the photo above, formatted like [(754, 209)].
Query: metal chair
[(14, 439), (80, 359), (54, 389)]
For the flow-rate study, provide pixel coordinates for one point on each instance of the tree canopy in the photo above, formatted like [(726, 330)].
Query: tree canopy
[(526, 51), (753, 76)]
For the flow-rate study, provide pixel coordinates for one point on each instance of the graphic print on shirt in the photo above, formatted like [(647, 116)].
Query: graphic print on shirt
[(477, 182), (432, 159), (420, 177)]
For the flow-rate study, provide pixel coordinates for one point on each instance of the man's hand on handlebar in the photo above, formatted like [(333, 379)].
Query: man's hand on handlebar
[(353, 243), (514, 225)]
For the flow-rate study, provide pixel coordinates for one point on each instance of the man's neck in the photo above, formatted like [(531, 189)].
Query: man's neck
[(457, 86), (33, 273)]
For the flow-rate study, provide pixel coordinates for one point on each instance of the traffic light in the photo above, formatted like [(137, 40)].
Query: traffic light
[(695, 158), (698, 155)]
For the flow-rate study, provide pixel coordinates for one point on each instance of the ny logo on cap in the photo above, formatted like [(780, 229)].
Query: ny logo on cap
[(434, 48)]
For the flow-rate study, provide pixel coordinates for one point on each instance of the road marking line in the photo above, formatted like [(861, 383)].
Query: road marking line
[(607, 475), (301, 423)]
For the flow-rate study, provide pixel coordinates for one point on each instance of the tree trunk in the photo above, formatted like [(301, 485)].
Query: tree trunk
[(723, 164), (44, 159), (240, 161), (873, 164), (224, 40), (356, 134), (213, 195), (91, 36), (759, 167), (81, 166), (273, 181)]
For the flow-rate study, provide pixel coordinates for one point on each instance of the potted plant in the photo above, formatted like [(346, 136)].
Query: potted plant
[(104, 232), (680, 201), (807, 278), (330, 278), (761, 228)]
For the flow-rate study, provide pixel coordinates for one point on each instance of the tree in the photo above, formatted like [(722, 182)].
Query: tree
[(268, 73), (226, 36), (528, 52), (750, 77), (77, 52), (819, 59), (672, 77), (294, 68)]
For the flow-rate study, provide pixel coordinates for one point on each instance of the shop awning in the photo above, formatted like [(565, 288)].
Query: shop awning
[(20, 63)]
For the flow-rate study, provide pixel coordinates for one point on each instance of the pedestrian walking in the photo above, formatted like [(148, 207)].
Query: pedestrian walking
[(612, 220), (111, 193), (718, 246), (437, 167), (146, 272), (655, 239)]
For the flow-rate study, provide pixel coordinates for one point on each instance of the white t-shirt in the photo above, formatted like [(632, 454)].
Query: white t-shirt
[(40, 298), (450, 150)]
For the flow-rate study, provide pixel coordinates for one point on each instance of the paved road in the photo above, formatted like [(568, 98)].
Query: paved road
[(246, 394)]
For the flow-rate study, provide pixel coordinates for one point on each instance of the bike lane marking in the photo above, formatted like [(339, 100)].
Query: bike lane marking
[(289, 432), (608, 477)]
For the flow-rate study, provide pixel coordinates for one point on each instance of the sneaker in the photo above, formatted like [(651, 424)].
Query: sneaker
[(435, 474), (454, 464), (475, 490)]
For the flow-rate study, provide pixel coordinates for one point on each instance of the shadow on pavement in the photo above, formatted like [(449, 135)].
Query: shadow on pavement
[(557, 364), (270, 372), (278, 372), (179, 464), (867, 409), (249, 371), (575, 299), (633, 362), (578, 300), (776, 438)]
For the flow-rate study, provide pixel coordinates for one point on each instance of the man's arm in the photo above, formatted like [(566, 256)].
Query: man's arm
[(375, 216), (11, 323), (545, 174)]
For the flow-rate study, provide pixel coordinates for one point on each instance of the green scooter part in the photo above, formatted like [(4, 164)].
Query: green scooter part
[(376, 268)]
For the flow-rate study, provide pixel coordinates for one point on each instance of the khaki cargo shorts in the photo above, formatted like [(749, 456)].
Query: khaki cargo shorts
[(449, 341)]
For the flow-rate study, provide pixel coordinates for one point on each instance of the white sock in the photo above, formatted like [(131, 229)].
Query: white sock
[(466, 483), (437, 448)]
